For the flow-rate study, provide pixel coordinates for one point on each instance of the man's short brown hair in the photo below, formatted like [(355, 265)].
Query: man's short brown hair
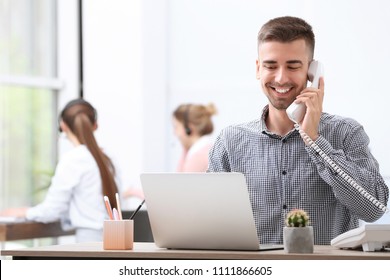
[(287, 29)]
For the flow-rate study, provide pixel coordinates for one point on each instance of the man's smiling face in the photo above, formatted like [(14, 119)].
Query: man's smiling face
[(282, 71)]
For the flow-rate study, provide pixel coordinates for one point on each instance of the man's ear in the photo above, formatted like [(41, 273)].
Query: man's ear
[(257, 69), (95, 126)]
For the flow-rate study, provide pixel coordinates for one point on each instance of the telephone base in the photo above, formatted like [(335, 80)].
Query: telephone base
[(371, 237), (373, 246)]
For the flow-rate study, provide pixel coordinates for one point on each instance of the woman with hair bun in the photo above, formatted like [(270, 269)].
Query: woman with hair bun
[(193, 127)]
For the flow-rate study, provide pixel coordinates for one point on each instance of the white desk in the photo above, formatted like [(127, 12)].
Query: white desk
[(150, 251)]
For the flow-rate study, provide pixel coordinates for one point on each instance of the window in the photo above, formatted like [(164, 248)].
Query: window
[(28, 100)]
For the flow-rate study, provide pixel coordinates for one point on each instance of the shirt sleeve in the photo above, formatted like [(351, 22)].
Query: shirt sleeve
[(56, 203), (356, 160), (218, 156)]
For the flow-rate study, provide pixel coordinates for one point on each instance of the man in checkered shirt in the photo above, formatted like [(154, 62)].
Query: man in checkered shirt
[(284, 172)]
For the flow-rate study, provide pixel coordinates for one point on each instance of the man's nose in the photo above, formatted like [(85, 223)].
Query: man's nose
[(281, 76)]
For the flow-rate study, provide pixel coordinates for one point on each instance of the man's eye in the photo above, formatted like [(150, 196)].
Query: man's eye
[(293, 67), (269, 66)]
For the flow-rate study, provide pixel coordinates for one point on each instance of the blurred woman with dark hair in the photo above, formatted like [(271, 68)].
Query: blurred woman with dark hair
[(82, 177)]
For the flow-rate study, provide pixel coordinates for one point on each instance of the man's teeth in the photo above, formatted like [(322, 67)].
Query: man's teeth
[(282, 90)]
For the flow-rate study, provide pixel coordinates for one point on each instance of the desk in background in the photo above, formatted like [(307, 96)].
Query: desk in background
[(20, 230), (149, 251)]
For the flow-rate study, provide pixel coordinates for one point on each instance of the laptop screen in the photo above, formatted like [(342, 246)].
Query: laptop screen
[(200, 210)]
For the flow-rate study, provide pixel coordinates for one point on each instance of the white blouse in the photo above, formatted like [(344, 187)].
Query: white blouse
[(75, 193)]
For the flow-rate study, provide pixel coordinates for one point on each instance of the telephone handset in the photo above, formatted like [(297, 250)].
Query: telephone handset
[(296, 112)]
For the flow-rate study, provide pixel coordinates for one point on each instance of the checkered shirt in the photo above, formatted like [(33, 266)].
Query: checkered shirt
[(282, 173)]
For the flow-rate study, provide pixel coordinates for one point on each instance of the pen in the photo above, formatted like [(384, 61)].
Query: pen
[(118, 205), (136, 210), (108, 207)]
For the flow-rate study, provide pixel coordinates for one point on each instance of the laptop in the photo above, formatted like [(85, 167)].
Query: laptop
[(201, 211)]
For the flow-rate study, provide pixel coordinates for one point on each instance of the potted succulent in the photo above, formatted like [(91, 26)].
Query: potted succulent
[(297, 233)]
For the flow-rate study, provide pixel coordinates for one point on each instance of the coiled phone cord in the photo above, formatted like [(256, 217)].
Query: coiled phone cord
[(336, 168)]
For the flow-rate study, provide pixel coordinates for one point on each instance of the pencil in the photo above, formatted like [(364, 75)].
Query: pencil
[(118, 205), (108, 207), (115, 214), (136, 210)]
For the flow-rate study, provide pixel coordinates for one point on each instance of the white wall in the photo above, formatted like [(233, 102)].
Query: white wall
[(212, 52), (143, 58), (113, 80)]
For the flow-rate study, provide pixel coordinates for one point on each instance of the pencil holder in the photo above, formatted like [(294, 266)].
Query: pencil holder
[(118, 234)]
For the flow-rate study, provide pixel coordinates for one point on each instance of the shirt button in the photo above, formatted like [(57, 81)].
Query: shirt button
[(284, 140), (284, 172), (284, 206)]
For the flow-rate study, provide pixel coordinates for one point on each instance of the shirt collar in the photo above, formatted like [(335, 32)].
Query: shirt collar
[(263, 126), (264, 114)]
